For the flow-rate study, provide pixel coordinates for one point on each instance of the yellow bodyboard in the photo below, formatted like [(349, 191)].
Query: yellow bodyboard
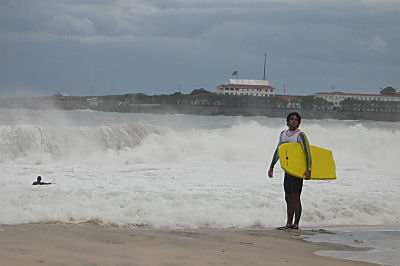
[(293, 161)]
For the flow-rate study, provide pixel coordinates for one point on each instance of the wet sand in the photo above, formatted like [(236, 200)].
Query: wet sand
[(91, 244)]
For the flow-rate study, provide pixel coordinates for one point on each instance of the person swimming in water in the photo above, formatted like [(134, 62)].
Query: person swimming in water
[(39, 182)]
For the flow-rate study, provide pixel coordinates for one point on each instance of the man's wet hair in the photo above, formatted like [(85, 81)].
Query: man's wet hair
[(296, 114)]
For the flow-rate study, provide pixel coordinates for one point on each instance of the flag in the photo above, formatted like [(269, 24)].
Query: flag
[(235, 73)]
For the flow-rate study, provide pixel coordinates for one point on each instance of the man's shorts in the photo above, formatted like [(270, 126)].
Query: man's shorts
[(292, 184)]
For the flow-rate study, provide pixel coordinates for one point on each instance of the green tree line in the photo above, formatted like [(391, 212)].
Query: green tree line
[(203, 97)]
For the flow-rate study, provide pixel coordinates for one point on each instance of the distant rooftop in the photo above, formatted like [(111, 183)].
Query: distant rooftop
[(61, 94), (356, 94), (249, 82)]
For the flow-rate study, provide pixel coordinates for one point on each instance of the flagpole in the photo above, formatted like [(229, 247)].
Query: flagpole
[(265, 60)]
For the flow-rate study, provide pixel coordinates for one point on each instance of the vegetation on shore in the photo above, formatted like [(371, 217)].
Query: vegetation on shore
[(203, 97)]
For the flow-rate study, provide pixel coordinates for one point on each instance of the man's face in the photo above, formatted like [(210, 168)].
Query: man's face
[(293, 123)]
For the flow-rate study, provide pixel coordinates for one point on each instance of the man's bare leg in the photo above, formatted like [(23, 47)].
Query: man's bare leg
[(289, 209), (297, 208)]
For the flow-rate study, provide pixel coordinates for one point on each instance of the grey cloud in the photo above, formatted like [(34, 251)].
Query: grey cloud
[(156, 44), (65, 24)]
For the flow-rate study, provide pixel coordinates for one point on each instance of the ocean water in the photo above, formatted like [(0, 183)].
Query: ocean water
[(182, 171), (382, 243)]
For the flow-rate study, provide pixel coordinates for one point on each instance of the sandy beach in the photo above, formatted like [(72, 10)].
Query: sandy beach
[(91, 244)]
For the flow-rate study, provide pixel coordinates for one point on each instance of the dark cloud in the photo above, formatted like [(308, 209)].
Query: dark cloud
[(156, 46)]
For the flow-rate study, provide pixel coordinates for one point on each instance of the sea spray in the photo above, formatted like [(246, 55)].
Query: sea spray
[(170, 171), (31, 142)]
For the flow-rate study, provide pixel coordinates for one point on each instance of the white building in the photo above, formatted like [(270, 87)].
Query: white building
[(249, 87), (93, 101), (337, 97)]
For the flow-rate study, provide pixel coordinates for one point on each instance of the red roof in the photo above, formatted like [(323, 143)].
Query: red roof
[(356, 94), (245, 86)]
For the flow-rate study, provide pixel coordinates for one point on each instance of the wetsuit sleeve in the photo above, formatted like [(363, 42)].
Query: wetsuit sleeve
[(306, 148), (275, 158)]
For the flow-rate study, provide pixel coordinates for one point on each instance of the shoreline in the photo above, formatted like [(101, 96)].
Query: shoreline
[(88, 243), (50, 103)]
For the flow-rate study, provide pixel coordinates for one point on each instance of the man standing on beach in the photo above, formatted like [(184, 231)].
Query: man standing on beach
[(293, 185)]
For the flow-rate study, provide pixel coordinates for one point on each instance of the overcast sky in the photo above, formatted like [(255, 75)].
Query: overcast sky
[(99, 47)]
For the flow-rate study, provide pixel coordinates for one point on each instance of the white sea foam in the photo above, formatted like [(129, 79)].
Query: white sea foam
[(187, 171)]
